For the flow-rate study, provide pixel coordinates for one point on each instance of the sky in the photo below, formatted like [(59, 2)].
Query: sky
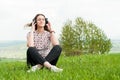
[(14, 14)]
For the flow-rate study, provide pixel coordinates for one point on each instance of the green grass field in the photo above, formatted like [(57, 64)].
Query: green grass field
[(83, 67)]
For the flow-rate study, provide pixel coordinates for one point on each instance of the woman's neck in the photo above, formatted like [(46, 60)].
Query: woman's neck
[(40, 30)]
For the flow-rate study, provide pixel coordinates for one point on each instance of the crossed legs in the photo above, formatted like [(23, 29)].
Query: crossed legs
[(34, 58)]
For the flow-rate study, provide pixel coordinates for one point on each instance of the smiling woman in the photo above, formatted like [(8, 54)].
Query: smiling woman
[(40, 37), (37, 20)]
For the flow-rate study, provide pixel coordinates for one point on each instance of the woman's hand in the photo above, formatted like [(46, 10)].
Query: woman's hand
[(49, 26), (33, 26)]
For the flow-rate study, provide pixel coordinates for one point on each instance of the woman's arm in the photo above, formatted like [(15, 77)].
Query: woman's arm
[(54, 39), (30, 36), (30, 42)]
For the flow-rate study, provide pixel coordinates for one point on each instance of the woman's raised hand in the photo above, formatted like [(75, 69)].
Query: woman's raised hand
[(33, 26), (49, 26)]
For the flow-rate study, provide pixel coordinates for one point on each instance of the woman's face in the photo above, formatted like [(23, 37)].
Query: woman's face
[(40, 21)]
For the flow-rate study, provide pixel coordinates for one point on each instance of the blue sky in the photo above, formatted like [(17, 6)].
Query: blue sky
[(14, 14)]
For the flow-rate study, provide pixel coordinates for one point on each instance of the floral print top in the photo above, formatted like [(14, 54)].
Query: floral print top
[(42, 42)]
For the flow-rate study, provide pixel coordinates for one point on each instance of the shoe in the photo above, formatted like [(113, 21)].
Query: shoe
[(55, 69), (33, 69)]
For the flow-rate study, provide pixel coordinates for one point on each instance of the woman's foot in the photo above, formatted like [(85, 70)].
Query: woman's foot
[(34, 68), (55, 69)]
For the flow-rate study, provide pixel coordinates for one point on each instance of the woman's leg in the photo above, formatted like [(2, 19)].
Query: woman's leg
[(29, 61), (54, 54), (33, 57)]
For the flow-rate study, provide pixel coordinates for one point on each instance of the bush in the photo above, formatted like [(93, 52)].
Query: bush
[(83, 37)]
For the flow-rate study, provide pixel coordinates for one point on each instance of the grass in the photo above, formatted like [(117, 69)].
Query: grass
[(83, 67)]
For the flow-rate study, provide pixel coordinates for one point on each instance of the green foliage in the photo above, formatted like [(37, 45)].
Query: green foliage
[(83, 37), (68, 34), (84, 67)]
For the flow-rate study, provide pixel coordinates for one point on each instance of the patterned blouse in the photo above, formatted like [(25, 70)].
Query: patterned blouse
[(42, 42)]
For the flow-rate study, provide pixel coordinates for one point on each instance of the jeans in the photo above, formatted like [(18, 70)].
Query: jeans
[(34, 58)]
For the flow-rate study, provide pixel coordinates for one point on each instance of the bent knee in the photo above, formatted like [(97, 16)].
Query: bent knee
[(58, 47), (30, 49)]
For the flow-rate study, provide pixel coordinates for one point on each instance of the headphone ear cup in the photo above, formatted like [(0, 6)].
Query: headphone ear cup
[(46, 20), (34, 20)]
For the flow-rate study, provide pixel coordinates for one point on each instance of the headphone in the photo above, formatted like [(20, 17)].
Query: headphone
[(46, 21)]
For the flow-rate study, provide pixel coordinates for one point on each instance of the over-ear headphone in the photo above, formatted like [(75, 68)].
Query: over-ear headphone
[(46, 20)]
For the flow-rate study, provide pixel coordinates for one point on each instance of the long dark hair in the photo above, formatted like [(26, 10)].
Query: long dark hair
[(35, 19)]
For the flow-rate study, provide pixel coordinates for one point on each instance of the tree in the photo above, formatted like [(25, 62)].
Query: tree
[(83, 37), (68, 37)]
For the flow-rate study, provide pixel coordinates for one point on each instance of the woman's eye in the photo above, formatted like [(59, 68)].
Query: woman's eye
[(40, 19)]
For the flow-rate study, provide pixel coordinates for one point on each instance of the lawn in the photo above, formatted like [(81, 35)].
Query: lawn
[(83, 67)]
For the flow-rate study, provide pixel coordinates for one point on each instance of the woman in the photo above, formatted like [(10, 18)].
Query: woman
[(40, 37)]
